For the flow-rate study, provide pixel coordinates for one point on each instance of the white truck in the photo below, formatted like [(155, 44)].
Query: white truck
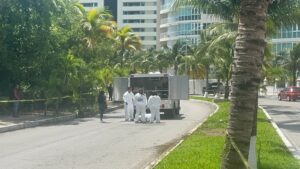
[(170, 88)]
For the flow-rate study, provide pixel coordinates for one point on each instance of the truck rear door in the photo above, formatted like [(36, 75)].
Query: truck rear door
[(178, 87), (120, 85)]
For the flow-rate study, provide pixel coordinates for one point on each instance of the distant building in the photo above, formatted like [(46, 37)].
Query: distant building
[(112, 6), (183, 24), (285, 38), (141, 16)]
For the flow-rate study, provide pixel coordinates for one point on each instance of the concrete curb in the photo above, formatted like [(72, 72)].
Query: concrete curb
[(285, 140), (34, 123), (167, 152), (28, 124)]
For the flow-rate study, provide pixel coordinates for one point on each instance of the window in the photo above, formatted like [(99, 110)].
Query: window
[(134, 4), (133, 12), (133, 21), (90, 4), (138, 29)]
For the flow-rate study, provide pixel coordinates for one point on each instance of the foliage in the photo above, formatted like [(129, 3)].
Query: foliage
[(202, 149), (56, 48)]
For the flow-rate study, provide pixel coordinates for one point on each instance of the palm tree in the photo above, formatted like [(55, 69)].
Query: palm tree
[(96, 23), (203, 55), (248, 58), (294, 63), (175, 56), (161, 59), (126, 41)]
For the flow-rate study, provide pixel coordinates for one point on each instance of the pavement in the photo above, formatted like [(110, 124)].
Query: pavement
[(9, 123), (285, 117), (90, 144)]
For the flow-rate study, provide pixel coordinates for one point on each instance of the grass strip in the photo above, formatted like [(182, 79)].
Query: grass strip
[(203, 148)]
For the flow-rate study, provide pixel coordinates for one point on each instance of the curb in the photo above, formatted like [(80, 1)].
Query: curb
[(167, 152), (34, 123), (28, 124), (285, 140)]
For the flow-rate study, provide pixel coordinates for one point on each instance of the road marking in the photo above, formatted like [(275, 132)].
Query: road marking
[(285, 140)]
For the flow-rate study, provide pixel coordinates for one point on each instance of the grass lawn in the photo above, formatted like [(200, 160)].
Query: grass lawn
[(203, 149)]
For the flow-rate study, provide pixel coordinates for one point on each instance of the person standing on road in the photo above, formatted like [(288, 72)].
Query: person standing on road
[(154, 106), (16, 96), (102, 104), (140, 103), (128, 99), (110, 92)]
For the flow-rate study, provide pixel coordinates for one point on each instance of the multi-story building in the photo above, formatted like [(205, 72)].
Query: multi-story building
[(141, 16), (183, 24), (90, 4), (285, 38), (112, 7)]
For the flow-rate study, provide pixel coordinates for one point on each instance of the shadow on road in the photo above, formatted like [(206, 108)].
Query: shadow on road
[(292, 125)]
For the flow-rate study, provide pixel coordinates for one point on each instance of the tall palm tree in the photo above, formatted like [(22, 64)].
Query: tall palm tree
[(248, 57), (203, 55), (162, 59), (126, 41), (295, 63), (176, 55), (96, 23)]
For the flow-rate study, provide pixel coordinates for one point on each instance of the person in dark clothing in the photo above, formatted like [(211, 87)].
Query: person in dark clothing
[(16, 96), (110, 92), (102, 104)]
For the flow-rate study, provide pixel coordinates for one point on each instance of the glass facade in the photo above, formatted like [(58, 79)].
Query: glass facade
[(285, 38), (183, 24)]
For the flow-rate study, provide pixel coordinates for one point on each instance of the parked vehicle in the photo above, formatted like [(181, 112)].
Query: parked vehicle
[(171, 89), (291, 93), (213, 88)]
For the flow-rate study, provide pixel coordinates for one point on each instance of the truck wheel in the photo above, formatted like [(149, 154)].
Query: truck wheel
[(279, 98), (288, 98)]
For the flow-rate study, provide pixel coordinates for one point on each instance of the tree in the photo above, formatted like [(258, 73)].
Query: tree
[(126, 41), (161, 59), (248, 57), (294, 63)]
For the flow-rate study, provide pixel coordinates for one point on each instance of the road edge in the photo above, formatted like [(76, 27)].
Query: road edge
[(54, 120), (285, 140), (170, 149)]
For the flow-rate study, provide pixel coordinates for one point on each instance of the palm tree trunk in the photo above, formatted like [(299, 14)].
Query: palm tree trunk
[(248, 57), (294, 74), (207, 74), (226, 92)]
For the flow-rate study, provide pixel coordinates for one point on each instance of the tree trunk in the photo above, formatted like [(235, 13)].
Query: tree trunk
[(248, 57), (226, 92), (294, 74), (207, 74)]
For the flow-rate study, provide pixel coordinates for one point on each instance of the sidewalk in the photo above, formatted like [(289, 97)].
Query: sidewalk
[(9, 123)]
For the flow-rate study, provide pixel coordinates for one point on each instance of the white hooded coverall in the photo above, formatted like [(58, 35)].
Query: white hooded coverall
[(128, 98), (154, 106), (140, 103)]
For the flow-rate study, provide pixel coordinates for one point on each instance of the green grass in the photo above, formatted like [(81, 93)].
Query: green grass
[(203, 149)]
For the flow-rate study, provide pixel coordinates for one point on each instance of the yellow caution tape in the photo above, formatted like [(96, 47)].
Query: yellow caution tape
[(38, 100)]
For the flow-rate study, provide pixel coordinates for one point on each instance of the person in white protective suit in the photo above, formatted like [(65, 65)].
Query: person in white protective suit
[(128, 98), (140, 106), (154, 106)]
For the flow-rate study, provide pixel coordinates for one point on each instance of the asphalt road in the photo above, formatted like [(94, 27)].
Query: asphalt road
[(89, 144), (287, 117)]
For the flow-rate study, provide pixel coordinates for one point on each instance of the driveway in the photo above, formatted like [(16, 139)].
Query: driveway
[(287, 116), (89, 144)]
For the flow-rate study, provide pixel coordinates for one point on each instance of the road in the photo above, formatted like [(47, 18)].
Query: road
[(287, 116), (89, 144)]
